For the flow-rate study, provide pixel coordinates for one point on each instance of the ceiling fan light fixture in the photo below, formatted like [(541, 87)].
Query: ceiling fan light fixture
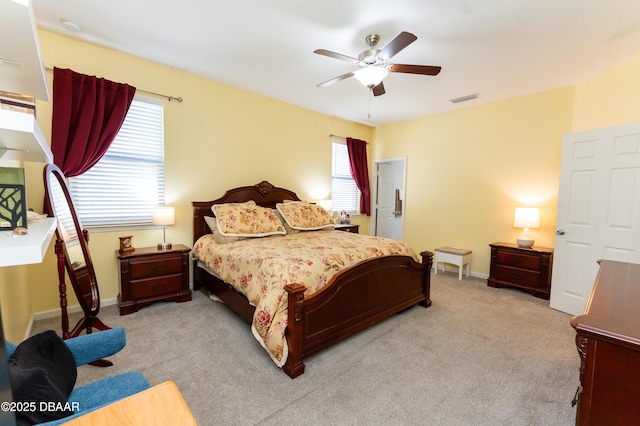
[(371, 76)]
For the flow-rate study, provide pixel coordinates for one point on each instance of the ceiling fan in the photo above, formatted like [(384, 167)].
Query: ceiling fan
[(373, 64)]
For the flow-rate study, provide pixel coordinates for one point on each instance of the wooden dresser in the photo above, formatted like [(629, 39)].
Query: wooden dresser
[(608, 341), (148, 275), (526, 268)]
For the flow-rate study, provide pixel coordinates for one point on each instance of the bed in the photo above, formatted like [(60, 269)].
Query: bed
[(353, 298)]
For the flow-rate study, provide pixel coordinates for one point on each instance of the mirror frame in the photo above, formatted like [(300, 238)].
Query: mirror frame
[(83, 279)]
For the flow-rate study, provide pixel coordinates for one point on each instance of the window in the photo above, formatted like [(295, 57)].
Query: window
[(345, 194), (124, 187)]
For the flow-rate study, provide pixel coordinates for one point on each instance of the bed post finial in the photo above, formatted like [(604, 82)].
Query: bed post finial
[(264, 188)]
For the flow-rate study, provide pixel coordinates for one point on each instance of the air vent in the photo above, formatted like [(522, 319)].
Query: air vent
[(465, 98)]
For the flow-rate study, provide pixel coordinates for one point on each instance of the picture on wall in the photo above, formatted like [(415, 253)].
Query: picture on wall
[(13, 198)]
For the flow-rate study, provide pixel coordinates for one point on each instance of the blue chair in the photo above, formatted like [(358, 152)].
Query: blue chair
[(88, 348)]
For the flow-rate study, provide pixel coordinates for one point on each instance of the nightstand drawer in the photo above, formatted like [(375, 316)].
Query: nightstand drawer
[(519, 260), (522, 277), (146, 268), (151, 287)]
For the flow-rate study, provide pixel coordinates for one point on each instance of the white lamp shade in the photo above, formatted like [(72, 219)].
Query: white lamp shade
[(527, 217), (164, 216), (371, 76)]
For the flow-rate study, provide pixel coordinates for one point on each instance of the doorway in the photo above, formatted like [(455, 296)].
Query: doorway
[(388, 197)]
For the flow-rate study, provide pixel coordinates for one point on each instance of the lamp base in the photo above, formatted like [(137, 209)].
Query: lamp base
[(164, 246), (525, 243)]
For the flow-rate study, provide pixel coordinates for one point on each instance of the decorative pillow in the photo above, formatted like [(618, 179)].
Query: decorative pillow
[(246, 220), (42, 369), (304, 216)]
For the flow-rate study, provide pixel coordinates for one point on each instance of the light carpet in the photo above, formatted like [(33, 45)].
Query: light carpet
[(477, 356)]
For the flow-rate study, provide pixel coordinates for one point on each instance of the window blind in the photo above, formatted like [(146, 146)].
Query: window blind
[(124, 187), (345, 194)]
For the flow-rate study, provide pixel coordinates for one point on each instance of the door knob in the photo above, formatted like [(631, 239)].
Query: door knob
[(560, 232)]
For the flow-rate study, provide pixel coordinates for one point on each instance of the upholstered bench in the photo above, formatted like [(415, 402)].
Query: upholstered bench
[(454, 256)]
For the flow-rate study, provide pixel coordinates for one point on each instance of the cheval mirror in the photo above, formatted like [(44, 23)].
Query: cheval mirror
[(72, 251)]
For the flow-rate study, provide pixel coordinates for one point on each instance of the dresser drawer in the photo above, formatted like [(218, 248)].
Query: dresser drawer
[(521, 277), (146, 268), (150, 287), (518, 260)]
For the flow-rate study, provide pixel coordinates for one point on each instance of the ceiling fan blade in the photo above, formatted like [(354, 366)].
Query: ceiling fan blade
[(378, 90), (401, 41), (336, 79), (416, 69), (336, 55)]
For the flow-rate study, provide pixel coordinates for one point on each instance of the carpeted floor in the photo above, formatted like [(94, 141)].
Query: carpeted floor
[(478, 356)]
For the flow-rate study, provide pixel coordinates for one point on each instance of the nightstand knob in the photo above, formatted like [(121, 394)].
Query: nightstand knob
[(560, 232)]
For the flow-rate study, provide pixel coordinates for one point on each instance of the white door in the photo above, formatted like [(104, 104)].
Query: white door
[(389, 189), (598, 210)]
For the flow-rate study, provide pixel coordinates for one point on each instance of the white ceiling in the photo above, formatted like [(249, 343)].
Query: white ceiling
[(498, 49)]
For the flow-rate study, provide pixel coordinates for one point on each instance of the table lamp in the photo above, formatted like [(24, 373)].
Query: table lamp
[(526, 217), (164, 216)]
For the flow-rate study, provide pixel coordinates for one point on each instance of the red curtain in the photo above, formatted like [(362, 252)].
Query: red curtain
[(357, 150), (87, 115)]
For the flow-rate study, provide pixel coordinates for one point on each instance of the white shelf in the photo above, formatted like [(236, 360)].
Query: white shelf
[(22, 70), (21, 138), (27, 249)]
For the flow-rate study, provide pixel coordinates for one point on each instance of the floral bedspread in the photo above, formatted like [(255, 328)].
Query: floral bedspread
[(260, 268)]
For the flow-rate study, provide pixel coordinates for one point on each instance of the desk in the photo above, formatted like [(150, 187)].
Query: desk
[(160, 405)]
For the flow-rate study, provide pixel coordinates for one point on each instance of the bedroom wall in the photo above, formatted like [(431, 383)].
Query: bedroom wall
[(219, 137), (609, 98), (469, 169)]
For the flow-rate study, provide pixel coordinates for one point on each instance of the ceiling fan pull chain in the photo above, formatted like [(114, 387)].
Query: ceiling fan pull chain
[(369, 112)]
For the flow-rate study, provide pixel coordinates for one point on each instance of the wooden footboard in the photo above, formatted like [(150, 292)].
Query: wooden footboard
[(353, 300)]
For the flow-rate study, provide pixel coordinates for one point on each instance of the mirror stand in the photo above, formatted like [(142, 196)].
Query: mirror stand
[(89, 321), (73, 259)]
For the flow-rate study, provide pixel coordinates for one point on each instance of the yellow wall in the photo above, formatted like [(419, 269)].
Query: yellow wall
[(467, 170), (219, 137), (608, 99)]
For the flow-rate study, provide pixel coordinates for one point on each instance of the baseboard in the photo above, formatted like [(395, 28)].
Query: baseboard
[(70, 309), (52, 313), (448, 268)]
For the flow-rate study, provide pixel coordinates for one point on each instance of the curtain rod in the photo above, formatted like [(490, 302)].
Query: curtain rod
[(331, 135), (168, 97)]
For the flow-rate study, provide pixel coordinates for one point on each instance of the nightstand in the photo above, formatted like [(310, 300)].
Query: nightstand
[(148, 275), (526, 268), (347, 227)]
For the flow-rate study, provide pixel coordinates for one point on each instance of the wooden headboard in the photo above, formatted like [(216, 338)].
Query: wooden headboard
[(264, 194)]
